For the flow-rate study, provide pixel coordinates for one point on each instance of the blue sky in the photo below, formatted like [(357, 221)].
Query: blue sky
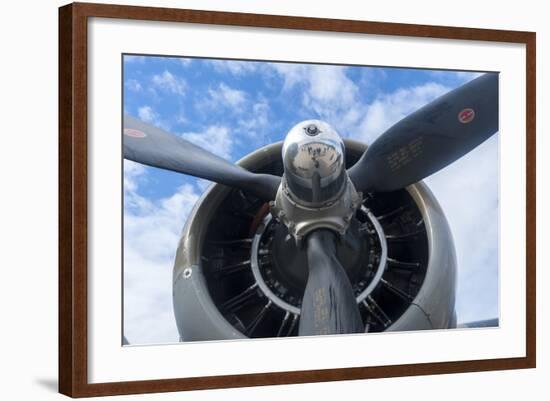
[(234, 107)]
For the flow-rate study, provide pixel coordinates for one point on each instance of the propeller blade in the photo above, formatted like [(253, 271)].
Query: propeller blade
[(328, 305), (430, 138), (146, 144)]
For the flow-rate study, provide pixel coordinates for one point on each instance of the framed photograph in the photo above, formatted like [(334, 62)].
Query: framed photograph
[(297, 199)]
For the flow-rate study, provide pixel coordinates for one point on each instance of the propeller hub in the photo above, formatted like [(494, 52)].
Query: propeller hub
[(314, 163), (315, 190)]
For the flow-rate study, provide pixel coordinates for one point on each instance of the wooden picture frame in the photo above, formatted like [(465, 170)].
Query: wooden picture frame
[(73, 195)]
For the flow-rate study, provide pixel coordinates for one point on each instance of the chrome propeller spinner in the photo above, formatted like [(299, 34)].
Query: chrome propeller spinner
[(315, 191)]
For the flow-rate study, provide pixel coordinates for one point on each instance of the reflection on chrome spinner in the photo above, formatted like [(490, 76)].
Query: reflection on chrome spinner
[(315, 191), (314, 163)]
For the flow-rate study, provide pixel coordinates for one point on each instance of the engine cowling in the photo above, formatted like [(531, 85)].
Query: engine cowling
[(238, 273)]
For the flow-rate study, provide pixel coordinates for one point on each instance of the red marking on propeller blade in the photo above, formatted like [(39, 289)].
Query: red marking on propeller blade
[(466, 115), (134, 133)]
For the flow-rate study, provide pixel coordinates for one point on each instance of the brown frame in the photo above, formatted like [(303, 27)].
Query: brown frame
[(73, 198)]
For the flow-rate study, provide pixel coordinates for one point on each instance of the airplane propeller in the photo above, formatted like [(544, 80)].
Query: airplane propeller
[(146, 144), (419, 145), (328, 305), (431, 138)]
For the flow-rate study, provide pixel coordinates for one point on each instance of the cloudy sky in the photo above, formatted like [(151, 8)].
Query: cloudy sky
[(234, 107)]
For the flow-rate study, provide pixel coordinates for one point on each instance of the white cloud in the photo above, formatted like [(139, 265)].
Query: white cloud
[(227, 96), (256, 123), (155, 226), (134, 59), (147, 114), (292, 74), (132, 172), (327, 93), (215, 139), (387, 109), (186, 62), (329, 84), (133, 85), (169, 82), (458, 76), (180, 117), (467, 190), (151, 234), (334, 97), (234, 67), (222, 99), (323, 83)]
